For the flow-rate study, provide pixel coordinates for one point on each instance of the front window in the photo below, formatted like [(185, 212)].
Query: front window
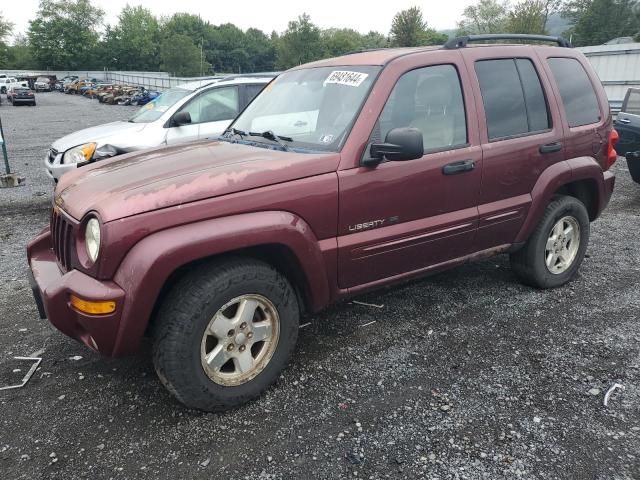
[(153, 110), (314, 107)]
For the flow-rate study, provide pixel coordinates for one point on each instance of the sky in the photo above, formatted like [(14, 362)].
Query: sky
[(361, 15)]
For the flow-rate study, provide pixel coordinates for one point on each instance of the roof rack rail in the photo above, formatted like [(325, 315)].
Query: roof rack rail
[(461, 42), (364, 50)]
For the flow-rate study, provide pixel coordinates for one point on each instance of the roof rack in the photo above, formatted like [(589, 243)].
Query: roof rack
[(364, 50), (461, 42)]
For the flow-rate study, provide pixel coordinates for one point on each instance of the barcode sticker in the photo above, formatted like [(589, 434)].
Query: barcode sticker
[(344, 77)]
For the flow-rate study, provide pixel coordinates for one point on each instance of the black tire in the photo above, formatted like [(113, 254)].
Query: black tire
[(185, 313), (529, 262)]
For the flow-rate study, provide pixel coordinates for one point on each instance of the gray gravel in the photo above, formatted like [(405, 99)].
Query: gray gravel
[(466, 374), (30, 131)]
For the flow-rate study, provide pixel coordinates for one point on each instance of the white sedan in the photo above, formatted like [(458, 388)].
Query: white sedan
[(191, 111)]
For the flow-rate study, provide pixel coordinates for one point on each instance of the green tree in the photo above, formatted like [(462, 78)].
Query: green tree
[(226, 49), (6, 28), (486, 16), (300, 43), (261, 51), (186, 24), (64, 34), (338, 41), (180, 56), (19, 54), (408, 29), (374, 40), (527, 17), (133, 42), (598, 21)]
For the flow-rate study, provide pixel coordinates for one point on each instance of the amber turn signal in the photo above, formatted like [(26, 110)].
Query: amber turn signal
[(91, 307)]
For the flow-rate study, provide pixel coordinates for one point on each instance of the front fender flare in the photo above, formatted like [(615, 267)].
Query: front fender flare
[(148, 265)]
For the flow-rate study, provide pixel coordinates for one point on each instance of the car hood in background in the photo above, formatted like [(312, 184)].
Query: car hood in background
[(119, 134)]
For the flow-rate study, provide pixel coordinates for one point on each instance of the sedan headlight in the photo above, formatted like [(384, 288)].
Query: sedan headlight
[(92, 238), (79, 154)]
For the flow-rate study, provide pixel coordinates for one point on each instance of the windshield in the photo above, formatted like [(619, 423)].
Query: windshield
[(153, 110), (313, 107)]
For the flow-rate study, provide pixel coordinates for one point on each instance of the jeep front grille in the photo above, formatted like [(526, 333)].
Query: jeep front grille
[(62, 237)]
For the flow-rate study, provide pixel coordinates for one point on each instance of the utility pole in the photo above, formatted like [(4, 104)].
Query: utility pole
[(8, 179), (7, 168), (202, 57)]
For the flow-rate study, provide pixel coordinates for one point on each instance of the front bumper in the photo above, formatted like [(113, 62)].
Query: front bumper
[(52, 289), (55, 168)]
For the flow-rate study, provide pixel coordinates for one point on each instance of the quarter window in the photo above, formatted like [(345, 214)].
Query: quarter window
[(513, 98), (576, 90), (429, 99)]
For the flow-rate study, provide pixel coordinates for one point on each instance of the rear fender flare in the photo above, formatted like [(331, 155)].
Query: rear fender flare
[(552, 179)]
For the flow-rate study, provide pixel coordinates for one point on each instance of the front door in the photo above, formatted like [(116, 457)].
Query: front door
[(211, 112), (402, 217)]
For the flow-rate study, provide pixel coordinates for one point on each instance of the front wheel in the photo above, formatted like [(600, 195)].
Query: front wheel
[(224, 333), (553, 254)]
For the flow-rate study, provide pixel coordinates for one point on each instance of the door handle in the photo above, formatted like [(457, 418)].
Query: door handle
[(551, 147), (458, 167), (623, 120)]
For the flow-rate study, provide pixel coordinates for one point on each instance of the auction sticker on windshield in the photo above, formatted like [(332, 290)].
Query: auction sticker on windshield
[(344, 77)]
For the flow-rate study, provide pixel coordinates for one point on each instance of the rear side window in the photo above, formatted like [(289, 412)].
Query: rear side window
[(514, 102), (632, 104), (578, 96)]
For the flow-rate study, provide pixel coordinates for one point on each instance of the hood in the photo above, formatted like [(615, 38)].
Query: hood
[(107, 133), (145, 181)]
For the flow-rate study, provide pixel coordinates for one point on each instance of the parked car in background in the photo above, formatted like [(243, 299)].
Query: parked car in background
[(182, 114), (10, 82), (627, 124), (342, 176), (43, 84), (21, 96), (142, 97)]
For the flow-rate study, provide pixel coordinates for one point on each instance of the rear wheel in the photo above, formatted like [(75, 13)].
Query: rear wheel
[(553, 254), (224, 333)]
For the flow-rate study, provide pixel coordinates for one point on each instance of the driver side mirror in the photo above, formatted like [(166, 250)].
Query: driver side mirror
[(400, 144), (180, 119)]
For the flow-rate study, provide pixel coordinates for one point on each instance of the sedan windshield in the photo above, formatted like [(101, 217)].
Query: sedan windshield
[(312, 108), (153, 110)]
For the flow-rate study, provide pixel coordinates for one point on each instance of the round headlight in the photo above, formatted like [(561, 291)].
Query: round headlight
[(92, 238)]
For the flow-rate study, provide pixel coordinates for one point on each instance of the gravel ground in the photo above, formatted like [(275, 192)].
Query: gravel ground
[(30, 131), (466, 374)]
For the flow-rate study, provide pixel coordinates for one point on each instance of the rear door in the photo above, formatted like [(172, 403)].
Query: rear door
[(521, 136), (628, 123)]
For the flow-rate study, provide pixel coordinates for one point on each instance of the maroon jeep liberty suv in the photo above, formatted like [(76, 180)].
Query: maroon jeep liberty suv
[(343, 175)]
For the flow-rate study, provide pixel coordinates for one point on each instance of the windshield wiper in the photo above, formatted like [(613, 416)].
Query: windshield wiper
[(235, 131), (269, 135)]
